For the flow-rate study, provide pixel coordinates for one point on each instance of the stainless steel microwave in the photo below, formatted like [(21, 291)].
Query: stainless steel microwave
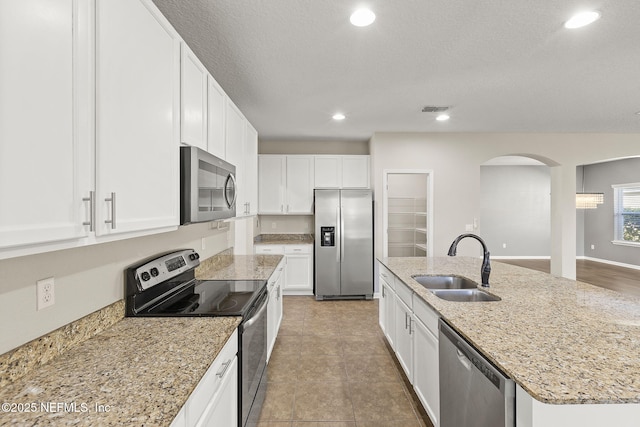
[(207, 187)]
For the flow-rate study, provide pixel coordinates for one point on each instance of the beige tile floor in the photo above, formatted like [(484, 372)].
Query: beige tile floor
[(331, 368)]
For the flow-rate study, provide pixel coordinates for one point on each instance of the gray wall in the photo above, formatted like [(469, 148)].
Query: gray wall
[(515, 210), (598, 223)]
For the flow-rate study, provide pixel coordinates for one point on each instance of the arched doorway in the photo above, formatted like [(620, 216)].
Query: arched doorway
[(515, 213)]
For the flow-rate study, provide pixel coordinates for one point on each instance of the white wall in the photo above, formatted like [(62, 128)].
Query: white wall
[(86, 279), (455, 159), (515, 209), (313, 147), (286, 224)]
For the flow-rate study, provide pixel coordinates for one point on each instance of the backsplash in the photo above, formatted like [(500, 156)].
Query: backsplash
[(17, 363)]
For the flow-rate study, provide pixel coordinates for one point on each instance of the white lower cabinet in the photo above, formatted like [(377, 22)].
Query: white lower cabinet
[(388, 312), (404, 338), (298, 272), (214, 402), (411, 328), (426, 370), (274, 307)]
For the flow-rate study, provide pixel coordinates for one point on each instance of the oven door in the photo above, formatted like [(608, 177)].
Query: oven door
[(254, 361)]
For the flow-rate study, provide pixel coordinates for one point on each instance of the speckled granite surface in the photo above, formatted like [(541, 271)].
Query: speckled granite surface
[(283, 239), (19, 362), (564, 342), (227, 266), (142, 370)]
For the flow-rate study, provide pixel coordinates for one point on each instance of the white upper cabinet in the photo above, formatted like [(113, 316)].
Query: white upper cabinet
[(328, 172), (350, 171), (271, 184), (251, 171), (355, 171), (137, 117), (193, 99), (217, 101), (45, 157), (299, 193), (285, 184)]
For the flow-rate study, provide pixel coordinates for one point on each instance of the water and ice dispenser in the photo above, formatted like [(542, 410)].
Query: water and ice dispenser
[(328, 236)]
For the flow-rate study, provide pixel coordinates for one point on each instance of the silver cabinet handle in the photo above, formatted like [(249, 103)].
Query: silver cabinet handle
[(92, 210), (281, 208), (112, 221), (287, 208), (410, 325), (223, 371), (383, 292), (406, 325)]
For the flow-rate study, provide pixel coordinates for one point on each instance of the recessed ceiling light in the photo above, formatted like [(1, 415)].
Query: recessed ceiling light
[(582, 19), (442, 117), (338, 116), (362, 17)]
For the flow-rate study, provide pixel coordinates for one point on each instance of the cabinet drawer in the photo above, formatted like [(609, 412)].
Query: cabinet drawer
[(297, 249), (405, 293), (387, 276), (426, 314), (211, 381), (269, 249)]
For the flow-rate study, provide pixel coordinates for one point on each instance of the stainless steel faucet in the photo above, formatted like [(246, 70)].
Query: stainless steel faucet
[(486, 265)]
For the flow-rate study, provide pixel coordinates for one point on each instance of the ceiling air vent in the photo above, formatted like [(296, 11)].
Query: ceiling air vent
[(434, 109)]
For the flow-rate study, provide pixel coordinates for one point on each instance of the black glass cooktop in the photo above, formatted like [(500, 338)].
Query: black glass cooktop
[(212, 298)]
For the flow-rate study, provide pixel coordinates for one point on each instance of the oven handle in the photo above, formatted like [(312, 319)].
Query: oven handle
[(258, 314)]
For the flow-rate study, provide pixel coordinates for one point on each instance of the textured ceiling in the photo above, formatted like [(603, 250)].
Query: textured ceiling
[(502, 66)]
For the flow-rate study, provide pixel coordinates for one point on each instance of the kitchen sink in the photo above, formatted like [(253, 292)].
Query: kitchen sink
[(464, 295), (445, 282)]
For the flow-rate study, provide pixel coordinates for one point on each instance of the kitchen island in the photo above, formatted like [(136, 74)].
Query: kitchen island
[(572, 348)]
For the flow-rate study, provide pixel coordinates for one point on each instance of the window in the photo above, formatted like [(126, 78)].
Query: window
[(626, 205)]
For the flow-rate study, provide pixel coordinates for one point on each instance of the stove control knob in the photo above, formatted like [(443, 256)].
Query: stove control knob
[(145, 276), (154, 272), (194, 256)]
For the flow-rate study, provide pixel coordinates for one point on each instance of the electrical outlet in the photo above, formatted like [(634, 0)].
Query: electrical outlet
[(273, 225), (45, 293), (203, 245), (593, 247), (504, 246), (468, 227)]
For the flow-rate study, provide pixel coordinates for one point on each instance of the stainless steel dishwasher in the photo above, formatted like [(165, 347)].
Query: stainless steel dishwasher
[(473, 393)]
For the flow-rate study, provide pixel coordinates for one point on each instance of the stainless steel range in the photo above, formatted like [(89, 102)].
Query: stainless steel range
[(165, 286)]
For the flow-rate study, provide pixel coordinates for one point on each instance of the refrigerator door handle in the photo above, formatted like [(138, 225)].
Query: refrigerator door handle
[(338, 235), (341, 236)]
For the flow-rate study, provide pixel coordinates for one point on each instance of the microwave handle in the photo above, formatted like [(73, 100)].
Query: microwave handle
[(235, 192)]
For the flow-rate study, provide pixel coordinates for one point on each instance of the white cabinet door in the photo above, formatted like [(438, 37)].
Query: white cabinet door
[(390, 315), (271, 184), (217, 101), (45, 159), (223, 408), (327, 171), (137, 117), (299, 193), (235, 129), (298, 273), (193, 99), (251, 170), (355, 172), (426, 370), (404, 338), (271, 316)]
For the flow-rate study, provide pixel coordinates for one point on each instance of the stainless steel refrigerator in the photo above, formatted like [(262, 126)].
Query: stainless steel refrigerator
[(343, 244)]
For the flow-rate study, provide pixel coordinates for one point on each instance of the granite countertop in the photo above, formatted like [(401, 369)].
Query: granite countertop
[(139, 372), (238, 267), (283, 239), (563, 341)]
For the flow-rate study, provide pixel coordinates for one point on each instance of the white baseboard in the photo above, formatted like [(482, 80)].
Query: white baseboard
[(521, 257), (606, 261)]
